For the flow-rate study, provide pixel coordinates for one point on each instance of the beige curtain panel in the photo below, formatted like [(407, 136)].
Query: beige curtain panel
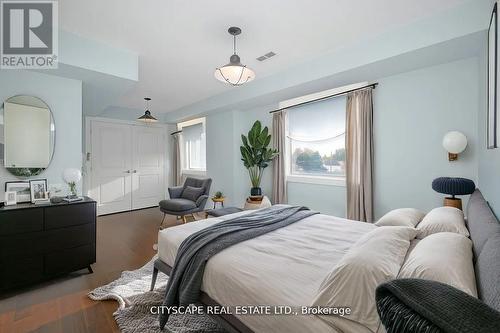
[(176, 160), (278, 136), (359, 155)]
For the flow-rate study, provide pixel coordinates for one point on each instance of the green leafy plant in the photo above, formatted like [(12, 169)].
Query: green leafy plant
[(218, 195), (255, 153)]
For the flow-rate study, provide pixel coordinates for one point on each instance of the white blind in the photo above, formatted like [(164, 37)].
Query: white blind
[(318, 121), (316, 138), (194, 146)]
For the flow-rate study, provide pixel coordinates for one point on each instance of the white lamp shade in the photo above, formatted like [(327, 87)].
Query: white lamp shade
[(234, 74), (72, 175), (454, 142)]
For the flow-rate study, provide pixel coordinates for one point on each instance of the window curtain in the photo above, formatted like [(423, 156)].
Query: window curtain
[(176, 160), (278, 136), (359, 155)]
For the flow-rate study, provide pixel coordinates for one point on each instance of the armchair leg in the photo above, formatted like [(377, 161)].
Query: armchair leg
[(184, 219), (161, 224)]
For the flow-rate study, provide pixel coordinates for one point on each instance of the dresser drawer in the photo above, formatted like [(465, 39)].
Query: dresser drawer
[(21, 221), (66, 216), (69, 260), (66, 238), (18, 271), (22, 245)]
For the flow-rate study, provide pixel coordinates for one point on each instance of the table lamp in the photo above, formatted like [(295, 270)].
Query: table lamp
[(72, 176)]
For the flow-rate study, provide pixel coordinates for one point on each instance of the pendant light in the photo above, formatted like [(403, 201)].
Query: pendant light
[(147, 117), (234, 73)]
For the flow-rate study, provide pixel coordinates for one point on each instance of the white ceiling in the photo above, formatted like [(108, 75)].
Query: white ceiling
[(181, 42)]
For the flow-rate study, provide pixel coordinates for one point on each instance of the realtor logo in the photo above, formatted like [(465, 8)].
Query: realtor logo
[(29, 37)]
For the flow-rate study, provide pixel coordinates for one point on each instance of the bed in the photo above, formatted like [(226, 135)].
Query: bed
[(287, 266)]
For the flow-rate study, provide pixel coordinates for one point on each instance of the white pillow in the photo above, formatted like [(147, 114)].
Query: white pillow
[(444, 257), (375, 258), (442, 219), (407, 217)]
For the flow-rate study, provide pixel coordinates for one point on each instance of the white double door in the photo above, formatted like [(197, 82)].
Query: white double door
[(127, 166)]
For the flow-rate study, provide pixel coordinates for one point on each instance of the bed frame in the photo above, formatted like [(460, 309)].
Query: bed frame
[(484, 229)]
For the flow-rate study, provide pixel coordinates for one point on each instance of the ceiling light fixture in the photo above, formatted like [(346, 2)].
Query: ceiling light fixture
[(147, 117), (234, 73)]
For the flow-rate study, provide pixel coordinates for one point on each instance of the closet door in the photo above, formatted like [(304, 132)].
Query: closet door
[(111, 179), (148, 166)]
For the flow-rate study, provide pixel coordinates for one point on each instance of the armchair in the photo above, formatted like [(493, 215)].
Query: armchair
[(186, 201)]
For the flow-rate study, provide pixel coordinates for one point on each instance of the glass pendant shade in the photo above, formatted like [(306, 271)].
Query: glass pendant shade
[(234, 73)]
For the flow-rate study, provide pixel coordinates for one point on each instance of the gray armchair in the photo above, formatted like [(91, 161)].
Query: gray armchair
[(186, 199)]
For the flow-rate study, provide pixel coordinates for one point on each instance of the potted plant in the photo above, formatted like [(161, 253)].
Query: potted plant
[(256, 155), (218, 196)]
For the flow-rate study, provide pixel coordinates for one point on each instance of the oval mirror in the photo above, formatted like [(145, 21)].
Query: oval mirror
[(27, 135)]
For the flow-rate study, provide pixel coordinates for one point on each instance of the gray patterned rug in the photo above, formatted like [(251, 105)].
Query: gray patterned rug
[(131, 291)]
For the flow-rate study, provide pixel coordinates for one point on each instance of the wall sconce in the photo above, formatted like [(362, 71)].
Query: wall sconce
[(454, 142)]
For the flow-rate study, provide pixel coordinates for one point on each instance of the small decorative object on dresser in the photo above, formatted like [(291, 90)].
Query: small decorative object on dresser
[(10, 198), (72, 176), (22, 190), (453, 186), (38, 189)]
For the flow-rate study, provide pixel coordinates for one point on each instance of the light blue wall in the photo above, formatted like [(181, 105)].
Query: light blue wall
[(64, 97), (220, 154), (412, 112)]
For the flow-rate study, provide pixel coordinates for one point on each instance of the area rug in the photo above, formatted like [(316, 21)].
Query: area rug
[(131, 291)]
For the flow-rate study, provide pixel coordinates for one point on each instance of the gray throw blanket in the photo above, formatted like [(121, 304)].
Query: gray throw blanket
[(185, 280), (416, 305)]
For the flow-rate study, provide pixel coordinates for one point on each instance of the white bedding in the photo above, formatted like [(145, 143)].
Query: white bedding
[(283, 267)]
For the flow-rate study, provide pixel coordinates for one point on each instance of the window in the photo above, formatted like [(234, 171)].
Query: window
[(193, 145), (316, 142)]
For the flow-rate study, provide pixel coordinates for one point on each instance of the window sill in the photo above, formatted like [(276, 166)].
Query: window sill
[(317, 180), (194, 172)]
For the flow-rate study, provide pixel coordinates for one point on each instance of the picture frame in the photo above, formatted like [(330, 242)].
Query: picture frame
[(38, 190), (491, 119), (10, 198), (22, 189)]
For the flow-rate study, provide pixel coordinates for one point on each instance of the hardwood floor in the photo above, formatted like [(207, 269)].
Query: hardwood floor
[(124, 242)]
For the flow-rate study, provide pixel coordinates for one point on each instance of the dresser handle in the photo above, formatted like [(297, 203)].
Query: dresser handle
[(127, 171)]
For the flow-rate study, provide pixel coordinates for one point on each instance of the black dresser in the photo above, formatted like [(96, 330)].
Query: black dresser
[(40, 242)]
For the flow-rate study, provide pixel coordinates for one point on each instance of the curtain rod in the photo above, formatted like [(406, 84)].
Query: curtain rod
[(176, 132), (373, 85)]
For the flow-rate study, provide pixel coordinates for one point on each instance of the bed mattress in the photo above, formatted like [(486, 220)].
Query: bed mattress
[(282, 268)]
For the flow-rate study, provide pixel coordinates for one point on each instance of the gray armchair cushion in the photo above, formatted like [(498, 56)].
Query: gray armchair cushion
[(201, 200), (177, 205), (175, 192), (192, 193)]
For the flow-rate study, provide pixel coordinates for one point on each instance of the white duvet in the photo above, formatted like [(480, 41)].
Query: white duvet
[(283, 267)]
